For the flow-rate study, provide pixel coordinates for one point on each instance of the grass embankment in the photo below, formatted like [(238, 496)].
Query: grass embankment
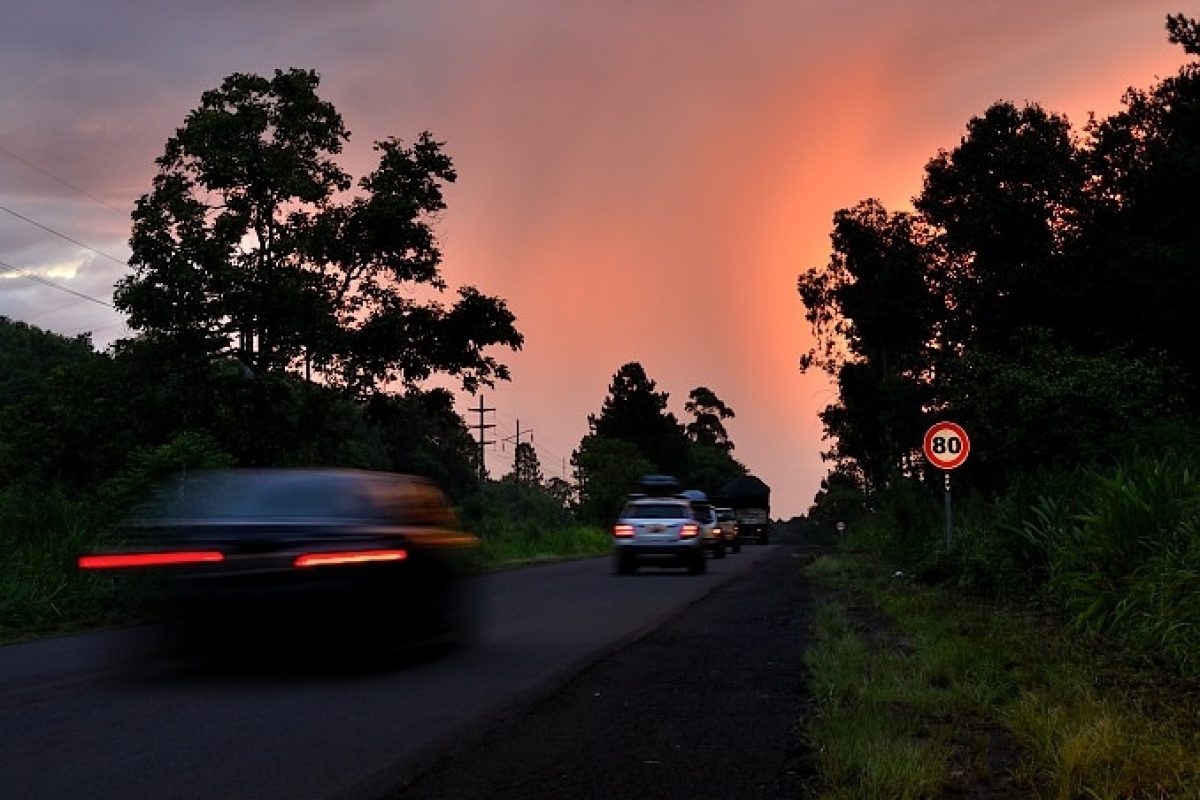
[(920, 692)]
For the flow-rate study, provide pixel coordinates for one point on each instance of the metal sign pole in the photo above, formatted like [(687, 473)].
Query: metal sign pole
[(949, 516)]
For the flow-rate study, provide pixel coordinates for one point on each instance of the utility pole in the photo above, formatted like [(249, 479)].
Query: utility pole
[(483, 441)]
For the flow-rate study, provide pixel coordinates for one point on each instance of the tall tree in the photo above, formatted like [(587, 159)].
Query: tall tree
[(635, 412), (1005, 205), (245, 245), (527, 469), (708, 412), (1142, 243), (874, 310)]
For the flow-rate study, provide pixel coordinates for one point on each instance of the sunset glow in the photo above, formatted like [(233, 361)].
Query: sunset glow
[(639, 181)]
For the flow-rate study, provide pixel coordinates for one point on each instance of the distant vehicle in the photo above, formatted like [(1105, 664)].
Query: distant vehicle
[(729, 529), (750, 500), (659, 531), (705, 515), (365, 558)]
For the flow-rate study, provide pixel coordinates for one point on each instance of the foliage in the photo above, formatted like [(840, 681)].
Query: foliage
[(606, 470), (708, 410), (517, 523), (29, 356), (1049, 408), (242, 248), (527, 469), (1041, 292), (1123, 555), (709, 468), (634, 412)]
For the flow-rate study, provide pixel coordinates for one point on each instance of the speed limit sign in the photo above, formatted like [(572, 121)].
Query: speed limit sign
[(946, 445)]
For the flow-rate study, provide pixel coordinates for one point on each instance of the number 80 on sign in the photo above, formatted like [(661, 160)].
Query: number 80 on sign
[(946, 445)]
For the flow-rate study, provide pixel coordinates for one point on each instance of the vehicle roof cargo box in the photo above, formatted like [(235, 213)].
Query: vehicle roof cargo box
[(745, 492), (658, 485)]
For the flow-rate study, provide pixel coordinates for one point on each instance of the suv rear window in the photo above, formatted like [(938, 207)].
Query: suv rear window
[(655, 511)]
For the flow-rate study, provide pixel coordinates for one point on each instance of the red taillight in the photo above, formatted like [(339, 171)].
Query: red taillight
[(622, 531), (689, 530), (122, 560), (348, 557)]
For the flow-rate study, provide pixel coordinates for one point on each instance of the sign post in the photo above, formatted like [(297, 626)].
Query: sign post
[(947, 446)]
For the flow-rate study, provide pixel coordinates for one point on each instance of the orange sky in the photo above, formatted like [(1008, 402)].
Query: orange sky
[(640, 180)]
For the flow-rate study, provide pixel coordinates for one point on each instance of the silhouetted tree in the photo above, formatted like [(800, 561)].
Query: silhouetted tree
[(527, 469), (635, 412), (708, 411), (241, 247), (606, 470)]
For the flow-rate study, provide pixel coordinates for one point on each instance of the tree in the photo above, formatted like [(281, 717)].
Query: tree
[(605, 472), (1140, 245), (635, 412), (1005, 206), (245, 245), (527, 470), (874, 311), (562, 491), (708, 410), (709, 468)]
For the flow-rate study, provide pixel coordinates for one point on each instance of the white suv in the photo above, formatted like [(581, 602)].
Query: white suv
[(662, 530)]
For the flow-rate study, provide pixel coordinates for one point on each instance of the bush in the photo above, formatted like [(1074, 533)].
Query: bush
[(517, 523), (1123, 554)]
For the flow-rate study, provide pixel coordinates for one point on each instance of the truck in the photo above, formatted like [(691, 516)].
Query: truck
[(750, 500)]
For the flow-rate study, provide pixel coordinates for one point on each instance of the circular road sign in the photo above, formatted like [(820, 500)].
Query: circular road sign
[(946, 445)]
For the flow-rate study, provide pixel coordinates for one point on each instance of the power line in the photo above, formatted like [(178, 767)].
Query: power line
[(57, 179), (60, 235), (52, 284)]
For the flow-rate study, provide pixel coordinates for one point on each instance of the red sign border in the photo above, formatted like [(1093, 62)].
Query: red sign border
[(955, 428)]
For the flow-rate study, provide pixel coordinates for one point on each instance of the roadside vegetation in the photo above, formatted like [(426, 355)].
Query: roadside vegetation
[(922, 692), (274, 304), (1016, 300), (1008, 301)]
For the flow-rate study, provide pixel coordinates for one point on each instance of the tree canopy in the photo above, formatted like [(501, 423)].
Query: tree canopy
[(251, 243), (1042, 275), (635, 412)]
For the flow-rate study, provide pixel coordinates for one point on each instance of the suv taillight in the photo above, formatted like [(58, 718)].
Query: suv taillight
[(689, 530), (622, 531)]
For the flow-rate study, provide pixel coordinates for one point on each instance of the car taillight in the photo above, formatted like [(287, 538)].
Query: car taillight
[(348, 557), (622, 531), (689, 530), (123, 560)]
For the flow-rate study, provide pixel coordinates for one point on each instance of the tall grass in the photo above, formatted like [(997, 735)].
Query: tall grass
[(524, 524), (1123, 555), (41, 534)]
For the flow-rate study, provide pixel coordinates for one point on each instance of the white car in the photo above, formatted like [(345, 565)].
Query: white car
[(663, 531)]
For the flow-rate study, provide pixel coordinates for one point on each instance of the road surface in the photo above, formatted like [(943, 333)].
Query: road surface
[(99, 716)]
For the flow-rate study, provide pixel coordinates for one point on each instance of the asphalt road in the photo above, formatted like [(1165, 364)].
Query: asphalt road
[(709, 705), (101, 716)]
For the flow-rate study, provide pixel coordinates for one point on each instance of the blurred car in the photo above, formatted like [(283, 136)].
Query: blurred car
[(727, 520), (365, 558), (662, 531)]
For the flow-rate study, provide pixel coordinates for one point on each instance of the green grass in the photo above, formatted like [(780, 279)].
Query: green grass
[(513, 545), (920, 692)]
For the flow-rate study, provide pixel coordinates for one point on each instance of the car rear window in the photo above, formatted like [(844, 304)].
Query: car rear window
[(262, 495), (655, 511)]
